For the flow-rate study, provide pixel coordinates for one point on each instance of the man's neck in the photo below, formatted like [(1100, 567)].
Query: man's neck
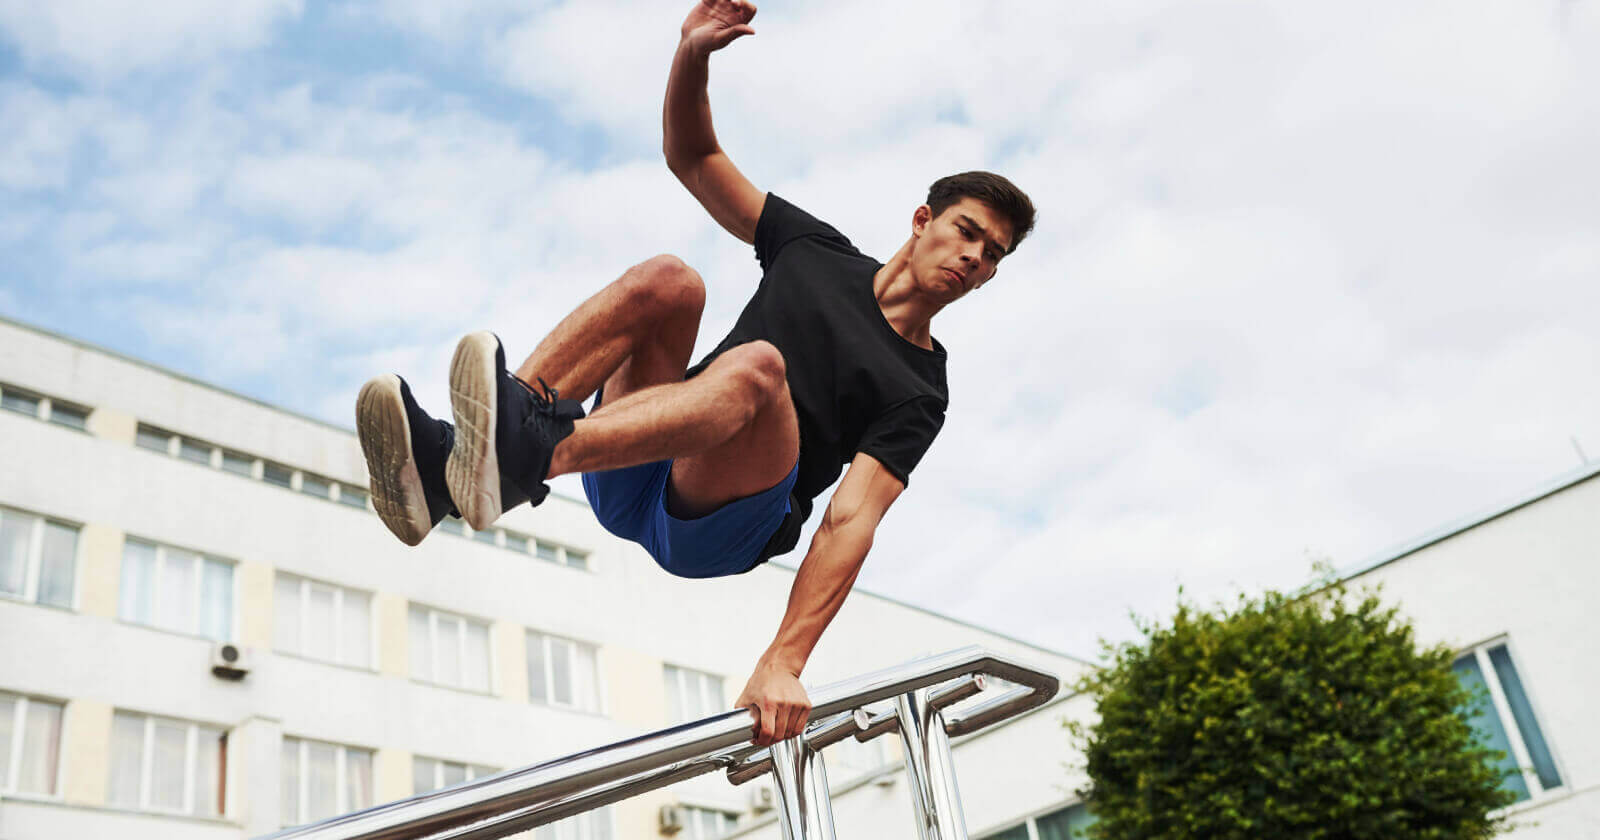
[(901, 301)]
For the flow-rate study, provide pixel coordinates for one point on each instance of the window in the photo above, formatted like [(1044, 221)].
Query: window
[(38, 558), (432, 773), (484, 537), (158, 764), (561, 555), (705, 823), (322, 780), (562, 672), (315, 485), (176, 590), (188, 450), (238, 463), (30, 745), (516, 542), (448, 649), (589, 825), (277, 474), (71, 416), (1505, 721), (154, 439), (692, 695), (322, 621), (20, 402), (1065, 824), (352, 496), (452, 525)]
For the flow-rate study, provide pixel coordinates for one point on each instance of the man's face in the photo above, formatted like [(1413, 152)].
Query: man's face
[(960, 249)]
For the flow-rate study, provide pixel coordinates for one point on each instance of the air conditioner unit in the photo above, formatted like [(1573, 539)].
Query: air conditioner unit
[(670, 819), (229, 661), (763, 798)]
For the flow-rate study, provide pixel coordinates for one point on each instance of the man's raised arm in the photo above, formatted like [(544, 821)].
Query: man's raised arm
[(688, 140)]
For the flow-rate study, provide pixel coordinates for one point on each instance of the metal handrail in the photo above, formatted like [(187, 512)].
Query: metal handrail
[(516, 800)]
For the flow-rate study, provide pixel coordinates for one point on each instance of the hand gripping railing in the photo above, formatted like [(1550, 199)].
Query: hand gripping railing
[(517, 800)]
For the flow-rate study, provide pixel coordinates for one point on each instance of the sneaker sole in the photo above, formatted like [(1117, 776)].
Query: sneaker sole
[(473, 470), (385, 435)]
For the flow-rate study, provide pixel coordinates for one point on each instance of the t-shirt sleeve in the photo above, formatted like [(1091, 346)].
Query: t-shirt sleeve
[(781, 223), (899, 437)]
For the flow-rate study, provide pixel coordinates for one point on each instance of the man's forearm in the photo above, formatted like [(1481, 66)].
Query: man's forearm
[(826, 575), (686, 129)]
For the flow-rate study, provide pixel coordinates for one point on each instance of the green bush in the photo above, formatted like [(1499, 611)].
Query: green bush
[(1285, 717)]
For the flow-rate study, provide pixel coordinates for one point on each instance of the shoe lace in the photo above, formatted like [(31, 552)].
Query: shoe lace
[(545, 400)]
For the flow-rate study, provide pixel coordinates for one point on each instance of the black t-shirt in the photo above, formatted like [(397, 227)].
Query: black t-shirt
[(857, 385)]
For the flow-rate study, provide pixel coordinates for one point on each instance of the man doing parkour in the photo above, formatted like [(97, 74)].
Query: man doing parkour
[(713, 468)]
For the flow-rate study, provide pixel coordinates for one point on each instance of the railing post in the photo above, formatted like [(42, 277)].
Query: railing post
[(804, 811), (930, 772)]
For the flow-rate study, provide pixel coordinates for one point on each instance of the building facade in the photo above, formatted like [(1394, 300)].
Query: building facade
[(151, 524)]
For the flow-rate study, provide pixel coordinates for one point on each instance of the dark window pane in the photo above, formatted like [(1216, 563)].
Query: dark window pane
[(312, 485), (277, 474), (484, 536), (546, 551), (1527, 724), (577, 559), (1486, 722), (452, 526), (190, 450), (1067, 823), (68, 415), (516, 542), (237, 463), (153, 439), (352, 496), (19, 402)]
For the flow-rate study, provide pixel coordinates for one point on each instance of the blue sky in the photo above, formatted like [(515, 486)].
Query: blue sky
[(1307, 281)]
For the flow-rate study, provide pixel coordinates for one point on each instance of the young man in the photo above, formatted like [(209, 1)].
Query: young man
[(713, 468)]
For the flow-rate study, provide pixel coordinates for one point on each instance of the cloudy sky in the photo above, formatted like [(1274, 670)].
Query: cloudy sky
[(1309, 279)]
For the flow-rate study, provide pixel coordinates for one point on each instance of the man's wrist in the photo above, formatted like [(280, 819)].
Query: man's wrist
[(782, 661)]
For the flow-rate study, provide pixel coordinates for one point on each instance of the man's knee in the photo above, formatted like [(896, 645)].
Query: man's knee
[(666, 286), (758, 368)]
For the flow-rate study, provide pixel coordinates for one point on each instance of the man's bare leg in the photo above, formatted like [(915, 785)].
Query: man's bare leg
[(731, 431), (638, 331)]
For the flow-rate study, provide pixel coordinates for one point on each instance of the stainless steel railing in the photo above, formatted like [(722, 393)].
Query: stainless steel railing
[(517, 800)]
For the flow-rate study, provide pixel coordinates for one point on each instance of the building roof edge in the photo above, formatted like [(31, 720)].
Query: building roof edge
[(1466, 523)]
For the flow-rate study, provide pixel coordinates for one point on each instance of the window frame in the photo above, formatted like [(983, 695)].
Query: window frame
[(434, 614), (1031, 822), (1501, 707), (303, 613), (33, 570), (704, 678), (692, 825), (191, 754), (13, 758), (198, 587), (341, 777), (473, 771), (547, 640)]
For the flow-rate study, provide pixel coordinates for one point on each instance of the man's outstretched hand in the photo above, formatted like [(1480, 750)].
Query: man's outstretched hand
[(714, 24), (778, 703)]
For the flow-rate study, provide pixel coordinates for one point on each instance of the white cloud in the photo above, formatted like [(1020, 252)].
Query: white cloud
[(104, 39), (1305, 283)]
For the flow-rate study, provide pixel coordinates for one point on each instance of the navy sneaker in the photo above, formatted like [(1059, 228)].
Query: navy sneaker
[(507, 432), (406, 451)]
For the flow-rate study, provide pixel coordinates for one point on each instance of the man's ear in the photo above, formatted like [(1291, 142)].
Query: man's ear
[(920, 219)]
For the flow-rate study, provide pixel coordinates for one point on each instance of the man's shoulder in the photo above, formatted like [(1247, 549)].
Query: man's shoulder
[(782, 223)]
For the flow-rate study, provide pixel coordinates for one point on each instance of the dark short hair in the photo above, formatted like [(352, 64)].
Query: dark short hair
[(991, 189)]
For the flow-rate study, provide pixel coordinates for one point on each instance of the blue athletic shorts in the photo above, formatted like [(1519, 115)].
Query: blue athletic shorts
[(632, 503)]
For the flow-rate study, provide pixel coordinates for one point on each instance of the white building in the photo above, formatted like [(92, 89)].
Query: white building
[(146, 517)]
